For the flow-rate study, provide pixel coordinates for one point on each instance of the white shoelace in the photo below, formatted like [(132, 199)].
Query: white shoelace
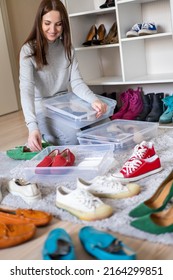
[(139, 151), (130, 166), (88, 199)]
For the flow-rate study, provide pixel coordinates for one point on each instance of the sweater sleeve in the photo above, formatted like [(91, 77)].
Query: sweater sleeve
[(78, 85), (26, 82)]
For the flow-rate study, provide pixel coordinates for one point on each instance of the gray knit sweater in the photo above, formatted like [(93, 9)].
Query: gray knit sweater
[(55, 77)]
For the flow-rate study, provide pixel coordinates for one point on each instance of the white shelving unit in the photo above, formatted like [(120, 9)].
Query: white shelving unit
[(138, 60)]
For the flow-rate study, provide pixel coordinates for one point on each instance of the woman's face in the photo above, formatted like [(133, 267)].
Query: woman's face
[(52, 25)]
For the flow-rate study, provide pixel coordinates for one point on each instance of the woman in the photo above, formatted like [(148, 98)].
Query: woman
[(48, 66)]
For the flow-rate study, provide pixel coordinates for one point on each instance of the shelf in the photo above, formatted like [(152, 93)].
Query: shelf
[(97, 47), (135, 1), (105, 81), (93, 12), (144, 37)]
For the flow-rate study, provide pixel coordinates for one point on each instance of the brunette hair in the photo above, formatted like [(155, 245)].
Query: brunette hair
[(36, 39)]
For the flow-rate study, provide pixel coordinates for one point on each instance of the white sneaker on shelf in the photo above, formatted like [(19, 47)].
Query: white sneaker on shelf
[(82, 204), (108, 187), (27, 191)]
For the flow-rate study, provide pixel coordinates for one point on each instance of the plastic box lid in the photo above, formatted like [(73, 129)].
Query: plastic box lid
[(90, 161), (121, 131), (75, 110)]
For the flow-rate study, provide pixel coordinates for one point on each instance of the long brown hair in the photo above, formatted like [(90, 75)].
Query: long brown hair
[(36, 39)]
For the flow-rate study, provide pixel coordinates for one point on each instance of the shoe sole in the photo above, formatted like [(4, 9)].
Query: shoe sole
[(133, 179), (99, 214), (147, 32), (28, 199)]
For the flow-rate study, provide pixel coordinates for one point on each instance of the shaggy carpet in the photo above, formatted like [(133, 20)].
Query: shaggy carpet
[(119, 221)]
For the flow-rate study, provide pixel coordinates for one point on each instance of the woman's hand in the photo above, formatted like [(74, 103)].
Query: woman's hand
[(34, 141), (100, 107)]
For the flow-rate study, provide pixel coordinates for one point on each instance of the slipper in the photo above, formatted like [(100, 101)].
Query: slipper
[(48, 160), (58, 246), (65, 158), (19, 216), (104, 246), (15, 234), (23, 152)]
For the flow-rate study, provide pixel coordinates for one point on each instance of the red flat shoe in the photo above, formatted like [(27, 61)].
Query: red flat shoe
[(65, 158), (48, 160)]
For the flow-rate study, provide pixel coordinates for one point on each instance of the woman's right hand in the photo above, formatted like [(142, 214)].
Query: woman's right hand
[(34, 141)]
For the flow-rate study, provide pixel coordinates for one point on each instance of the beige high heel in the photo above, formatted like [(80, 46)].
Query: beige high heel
[(101, 32), (90, 37)]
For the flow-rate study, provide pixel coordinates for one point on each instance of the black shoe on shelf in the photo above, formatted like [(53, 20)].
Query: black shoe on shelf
[(108, 4)]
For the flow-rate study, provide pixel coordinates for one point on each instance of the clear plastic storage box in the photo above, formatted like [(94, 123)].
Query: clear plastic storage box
[(123, 134), (90, 161), (79, 113)]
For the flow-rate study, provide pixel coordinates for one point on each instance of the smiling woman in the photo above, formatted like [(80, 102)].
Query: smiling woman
[(48, 66), (52, 25)]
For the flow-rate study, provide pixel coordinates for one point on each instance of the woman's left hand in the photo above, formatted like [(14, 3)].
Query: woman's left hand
[(100, 107)]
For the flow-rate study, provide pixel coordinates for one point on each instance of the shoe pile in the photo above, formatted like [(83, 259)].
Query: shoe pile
[(150, 215), (140, 29), (142, 163), (19, 225), (99, 244)]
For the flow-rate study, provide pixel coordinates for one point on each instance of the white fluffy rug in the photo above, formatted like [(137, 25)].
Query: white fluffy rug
[(119, 221)]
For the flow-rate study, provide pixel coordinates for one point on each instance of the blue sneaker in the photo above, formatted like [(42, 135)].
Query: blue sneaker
[(134, 30), (58, 246), (148, 29), (104, 246)]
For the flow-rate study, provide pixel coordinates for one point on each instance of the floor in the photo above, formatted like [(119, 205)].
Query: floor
[(13, 132)]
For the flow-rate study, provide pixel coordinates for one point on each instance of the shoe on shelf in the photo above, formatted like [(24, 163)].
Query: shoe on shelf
[(101, 32), (92, 34), (24, 216), (103, 245), (82, 204), (104, 186), (27, 191), (143, 150), (155, 223), (157, 108), (137, 169), (112, 36), (148, 29), (167, 116), (13, 234), (58, 246), (158, 200), (108, 4), (134, 32)]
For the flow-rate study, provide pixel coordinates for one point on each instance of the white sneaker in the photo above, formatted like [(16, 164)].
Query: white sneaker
[(108, 187), (27, 191), (82, 204)]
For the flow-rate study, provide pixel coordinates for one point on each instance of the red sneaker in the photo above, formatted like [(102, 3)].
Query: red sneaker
[(137, 169), (143, 150)]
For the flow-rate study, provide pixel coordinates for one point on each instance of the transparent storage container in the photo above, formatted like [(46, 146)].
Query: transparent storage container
[(124, 134), (79, 113), (90, 161)]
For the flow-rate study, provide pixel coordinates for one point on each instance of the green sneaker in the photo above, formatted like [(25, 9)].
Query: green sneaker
[(23, 152)]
